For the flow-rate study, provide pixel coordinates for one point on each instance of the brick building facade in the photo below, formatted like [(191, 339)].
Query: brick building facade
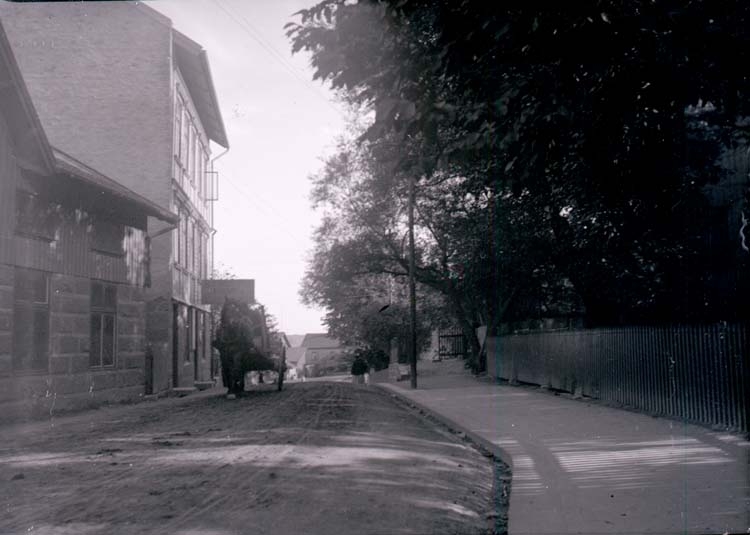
[(73, 267), (140, 98)]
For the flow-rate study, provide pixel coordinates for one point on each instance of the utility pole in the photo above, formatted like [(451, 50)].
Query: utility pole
[(412, 288)]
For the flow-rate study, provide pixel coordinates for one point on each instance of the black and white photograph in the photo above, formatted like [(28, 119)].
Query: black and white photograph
[(374, 267)]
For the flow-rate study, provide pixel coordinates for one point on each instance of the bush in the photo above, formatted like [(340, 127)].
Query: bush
[(376, 359), (359, 366)]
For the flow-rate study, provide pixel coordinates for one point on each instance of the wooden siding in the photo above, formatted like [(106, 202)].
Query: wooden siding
[(70, 252), (698, 373), (8, 174)]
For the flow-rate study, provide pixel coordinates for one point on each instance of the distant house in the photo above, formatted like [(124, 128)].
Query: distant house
[(74, 264), (324, 354), (117, 87), (295, 358), (295, 339), (283, 340)]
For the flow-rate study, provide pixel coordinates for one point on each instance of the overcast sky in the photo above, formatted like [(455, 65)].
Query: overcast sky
[(279, 123)]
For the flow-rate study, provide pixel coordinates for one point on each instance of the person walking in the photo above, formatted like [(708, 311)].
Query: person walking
[(359, 368)]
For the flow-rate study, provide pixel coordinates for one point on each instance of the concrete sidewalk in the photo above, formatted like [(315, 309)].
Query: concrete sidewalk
[(580, 467)]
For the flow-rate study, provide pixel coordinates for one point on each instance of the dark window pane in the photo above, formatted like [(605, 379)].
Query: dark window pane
[(41, 338), (23, 334), (39, 287), (96, 340), (108, 340), (107, 237), (199, 335), (31, 320), (110, 296), (36, 217), (97, 294)]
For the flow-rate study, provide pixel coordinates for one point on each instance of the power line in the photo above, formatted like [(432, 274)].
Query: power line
[(254, 34), (262, 209)]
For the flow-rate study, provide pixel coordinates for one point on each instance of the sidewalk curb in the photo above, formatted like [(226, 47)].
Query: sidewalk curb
[(484, 446), (493, 448)]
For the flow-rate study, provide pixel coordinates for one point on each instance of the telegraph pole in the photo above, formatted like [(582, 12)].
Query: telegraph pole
[(412, 288)]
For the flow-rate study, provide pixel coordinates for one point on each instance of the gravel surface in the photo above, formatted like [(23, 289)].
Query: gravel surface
[(317, 458)]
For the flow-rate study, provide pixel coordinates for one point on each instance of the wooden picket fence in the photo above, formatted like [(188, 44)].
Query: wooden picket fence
[(695, 373)]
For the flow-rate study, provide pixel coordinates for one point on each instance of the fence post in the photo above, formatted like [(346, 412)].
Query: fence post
[(745, 356)]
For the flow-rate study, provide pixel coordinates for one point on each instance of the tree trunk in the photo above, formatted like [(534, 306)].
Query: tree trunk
[(467, 328)]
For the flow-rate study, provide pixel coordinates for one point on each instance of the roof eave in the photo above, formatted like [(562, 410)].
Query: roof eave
[(68, 165), (29, 111), (214, 124)]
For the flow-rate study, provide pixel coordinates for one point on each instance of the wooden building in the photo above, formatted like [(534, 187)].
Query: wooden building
[(144, 111), (74, 264)]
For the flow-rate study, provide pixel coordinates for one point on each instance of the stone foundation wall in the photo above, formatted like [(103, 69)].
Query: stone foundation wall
[(69, 383), (6, 320)]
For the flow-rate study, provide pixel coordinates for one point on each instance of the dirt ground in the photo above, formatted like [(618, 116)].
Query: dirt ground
[(317, 458)]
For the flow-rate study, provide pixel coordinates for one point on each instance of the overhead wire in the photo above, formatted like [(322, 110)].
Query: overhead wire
[(261, 208), (257, 36)]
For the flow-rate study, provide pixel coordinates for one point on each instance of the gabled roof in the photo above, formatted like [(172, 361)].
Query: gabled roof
[(319, 341), (294, 354), (192, 61), (39, 156), (284, 340), (34, 148)]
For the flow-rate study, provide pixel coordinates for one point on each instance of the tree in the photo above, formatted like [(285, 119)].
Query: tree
[(467, 242), (580, 112)]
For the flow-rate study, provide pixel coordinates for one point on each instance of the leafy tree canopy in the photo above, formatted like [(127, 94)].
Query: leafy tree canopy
[(598, 123)]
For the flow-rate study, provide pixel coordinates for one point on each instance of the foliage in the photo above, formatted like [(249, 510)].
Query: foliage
[(234, 338), (376, 359), (359, 366), (591, 122)]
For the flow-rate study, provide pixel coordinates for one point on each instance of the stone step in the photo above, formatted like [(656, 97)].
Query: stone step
[(183, 390)]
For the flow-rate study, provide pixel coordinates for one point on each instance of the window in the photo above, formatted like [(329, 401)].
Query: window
[(199, 334), (103, 324), (181, 238), (191, 153), (198, 159), (30, 320), (199, 254), (176, 239), (190, 333), (107, 237), (185, 135), (205, 176), (196, 249), (35, 217), (178, 127), (189, 246)]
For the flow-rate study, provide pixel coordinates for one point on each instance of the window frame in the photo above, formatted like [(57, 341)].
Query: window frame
[(97, 230), (101, 311), (190, 334), (178, 128), (26, 365), (33, 223)]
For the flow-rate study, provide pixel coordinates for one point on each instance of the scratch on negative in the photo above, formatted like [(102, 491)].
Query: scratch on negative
[(742, 232)]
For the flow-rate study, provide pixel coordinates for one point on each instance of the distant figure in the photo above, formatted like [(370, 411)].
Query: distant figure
[(359, 368), (282, 370), (367, 377)]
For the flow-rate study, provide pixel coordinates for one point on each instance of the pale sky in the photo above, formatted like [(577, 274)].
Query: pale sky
[(279, 124)]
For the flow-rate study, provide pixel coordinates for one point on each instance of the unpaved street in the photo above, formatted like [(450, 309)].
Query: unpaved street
[(322, 458)]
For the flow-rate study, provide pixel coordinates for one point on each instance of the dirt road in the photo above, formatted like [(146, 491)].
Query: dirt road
[(318, 458)]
